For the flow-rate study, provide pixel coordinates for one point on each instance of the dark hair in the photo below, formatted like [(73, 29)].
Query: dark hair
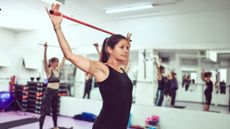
[(161, 67), (173, 73), (110, 42), (207, 74), (53, 59)]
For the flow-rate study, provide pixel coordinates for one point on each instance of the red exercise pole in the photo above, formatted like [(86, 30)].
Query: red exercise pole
[(80, 22)]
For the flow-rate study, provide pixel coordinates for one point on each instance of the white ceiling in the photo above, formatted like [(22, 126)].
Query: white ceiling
[(19, 15)]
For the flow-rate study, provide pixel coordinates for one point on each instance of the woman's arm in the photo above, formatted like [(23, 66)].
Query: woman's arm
[(61, 64), (170, 76), (159, 75), (202, 75), (96, 45), (45, 61), (96, 68)]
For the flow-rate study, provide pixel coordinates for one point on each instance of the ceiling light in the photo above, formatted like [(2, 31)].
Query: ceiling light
[(131, 8), (61, 2)]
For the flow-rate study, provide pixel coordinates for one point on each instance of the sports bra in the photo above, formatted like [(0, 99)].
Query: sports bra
[(53, 78)]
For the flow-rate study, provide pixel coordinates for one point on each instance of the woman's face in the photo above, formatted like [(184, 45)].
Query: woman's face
[(162, 70), (54, 64), (120, 51), (174, 75), (207, 79)]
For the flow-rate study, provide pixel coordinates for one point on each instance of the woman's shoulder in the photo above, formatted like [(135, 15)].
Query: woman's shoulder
[(98, 65), (99, 70)]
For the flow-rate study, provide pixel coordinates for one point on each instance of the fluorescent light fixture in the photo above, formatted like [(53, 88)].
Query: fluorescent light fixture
[(131, 8), (52, 1)]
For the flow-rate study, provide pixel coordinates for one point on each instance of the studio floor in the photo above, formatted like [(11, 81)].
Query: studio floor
[(66, 122), (199, 107)]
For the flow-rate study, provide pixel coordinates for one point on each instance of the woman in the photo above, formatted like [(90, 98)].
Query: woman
[(162, 83), (51, 98), (114, 84), (173, 87), (206, 77), (187, 82), (88, 85)]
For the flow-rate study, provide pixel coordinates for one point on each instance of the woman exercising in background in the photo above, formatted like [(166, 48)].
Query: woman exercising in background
[(51, 98), (206, 77)]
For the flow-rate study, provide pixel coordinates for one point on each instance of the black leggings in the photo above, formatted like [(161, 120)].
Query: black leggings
[(208, 98), (160, 98), (173, 95), (87, 90), (50, 101)]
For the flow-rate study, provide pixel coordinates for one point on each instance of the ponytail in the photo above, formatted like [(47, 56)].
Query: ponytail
[(104, 56)]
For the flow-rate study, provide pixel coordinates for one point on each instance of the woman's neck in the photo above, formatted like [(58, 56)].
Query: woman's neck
[(114, 64)]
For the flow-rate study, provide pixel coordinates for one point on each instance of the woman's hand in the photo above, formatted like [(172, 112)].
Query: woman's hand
[(45, 45), (96, 45), (56, 20), (128, 36)]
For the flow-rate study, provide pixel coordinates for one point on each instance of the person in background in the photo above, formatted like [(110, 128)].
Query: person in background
[(217, 81), (89, 78), (222, 87), (183, 80), (167, 96), (88, 85), (51, 98), (173, 87), (206, 77), (187, 82), (162, 82)]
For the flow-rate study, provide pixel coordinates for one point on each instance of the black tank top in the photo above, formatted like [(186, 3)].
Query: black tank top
[(209, 87), (162, 83), (88, 84), (116, 92)]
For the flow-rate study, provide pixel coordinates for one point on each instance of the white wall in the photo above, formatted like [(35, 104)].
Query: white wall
[(7, 40), (228, 77), (191, 31)]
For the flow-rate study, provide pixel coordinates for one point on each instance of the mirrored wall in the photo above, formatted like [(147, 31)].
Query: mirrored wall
[(188, 66)]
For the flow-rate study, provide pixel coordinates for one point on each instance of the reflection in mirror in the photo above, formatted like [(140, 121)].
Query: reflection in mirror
[(187, 66), (67, 80), (191, 66), (189, 79)]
